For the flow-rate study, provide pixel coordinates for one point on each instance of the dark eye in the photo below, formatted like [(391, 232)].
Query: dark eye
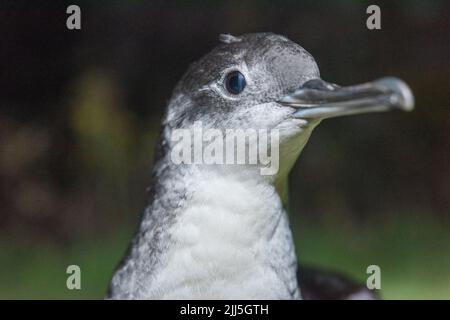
[(235, 82)]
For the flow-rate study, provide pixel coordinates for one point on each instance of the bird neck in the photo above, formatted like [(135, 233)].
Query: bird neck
[(210, 231), (206, 234)]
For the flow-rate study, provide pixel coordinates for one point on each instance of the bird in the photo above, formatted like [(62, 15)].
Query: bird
[(221, 231)]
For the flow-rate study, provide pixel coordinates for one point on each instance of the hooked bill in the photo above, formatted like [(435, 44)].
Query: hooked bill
[(319, 99)]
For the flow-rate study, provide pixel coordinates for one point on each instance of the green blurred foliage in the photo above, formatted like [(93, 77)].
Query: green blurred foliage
[(411, 255)]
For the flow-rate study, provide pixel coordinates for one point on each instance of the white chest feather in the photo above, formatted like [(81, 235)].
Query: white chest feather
[(230, 241)]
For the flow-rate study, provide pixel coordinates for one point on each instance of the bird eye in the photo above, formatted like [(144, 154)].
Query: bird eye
[(235, 82)]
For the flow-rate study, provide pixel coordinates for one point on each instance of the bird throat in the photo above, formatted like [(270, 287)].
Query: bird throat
[(209, 232), (230, 239)]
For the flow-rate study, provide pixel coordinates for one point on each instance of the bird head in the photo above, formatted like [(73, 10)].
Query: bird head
[(265, 81)]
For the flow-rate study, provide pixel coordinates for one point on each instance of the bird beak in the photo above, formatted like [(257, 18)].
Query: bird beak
[(317, 99)]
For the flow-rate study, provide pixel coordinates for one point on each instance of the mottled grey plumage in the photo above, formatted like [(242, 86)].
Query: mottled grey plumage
[(186, 200)]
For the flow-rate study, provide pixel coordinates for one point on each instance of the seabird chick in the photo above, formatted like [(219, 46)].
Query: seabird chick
[(221, 231)]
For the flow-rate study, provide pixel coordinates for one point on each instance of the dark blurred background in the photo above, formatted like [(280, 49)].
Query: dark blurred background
[(80, 112)]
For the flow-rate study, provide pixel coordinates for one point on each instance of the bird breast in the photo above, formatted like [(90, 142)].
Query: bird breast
[(230, 241)]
